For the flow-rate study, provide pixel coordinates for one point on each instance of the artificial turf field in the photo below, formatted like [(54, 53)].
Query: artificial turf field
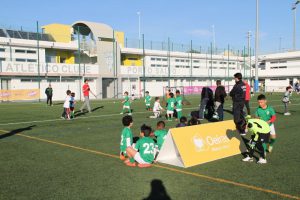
[(45, 157)]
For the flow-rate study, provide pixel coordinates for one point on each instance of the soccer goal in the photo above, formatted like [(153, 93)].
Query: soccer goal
[(167, 90)]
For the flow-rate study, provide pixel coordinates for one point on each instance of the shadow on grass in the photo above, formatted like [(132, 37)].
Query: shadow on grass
[(79, 113), (158, 191), (16, 131), (57, 104)]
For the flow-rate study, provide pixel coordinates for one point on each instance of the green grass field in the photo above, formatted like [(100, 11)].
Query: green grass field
[(45, 157)]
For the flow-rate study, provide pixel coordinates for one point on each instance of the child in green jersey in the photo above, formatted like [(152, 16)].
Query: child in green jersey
[(144, 150), (126, 104), (170, 107), (160, 133), (178, 104), (147, 100), (266, 113), (126, 136)]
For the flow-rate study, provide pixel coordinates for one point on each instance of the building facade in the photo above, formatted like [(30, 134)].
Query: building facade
[(65, 55)]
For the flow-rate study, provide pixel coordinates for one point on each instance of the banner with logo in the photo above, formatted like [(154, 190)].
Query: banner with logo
[(19, 95), (194, 145), (196, 89)]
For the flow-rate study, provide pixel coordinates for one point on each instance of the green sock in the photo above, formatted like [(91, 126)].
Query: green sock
[(179, 114), (272, 141), (131, 160), (129, 110), (264, 146)]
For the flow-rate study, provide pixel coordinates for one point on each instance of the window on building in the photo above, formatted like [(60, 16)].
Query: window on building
[(31, 51), (196, 61), (196, 66), (20, 60), (152, 58), (132, 59), (164, 59), (2, 50), (19, 51), (62, 60), (152, 65), (31, 60), (158, 59), (177, 60), (2, 59)]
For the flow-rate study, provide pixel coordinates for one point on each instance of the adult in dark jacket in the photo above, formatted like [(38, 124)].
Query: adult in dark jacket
[(238, 93), (220, 95), (206, 101), (49, 94)]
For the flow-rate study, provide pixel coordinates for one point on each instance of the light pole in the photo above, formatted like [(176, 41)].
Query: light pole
[(256, 49), (294, 8), (213, 37), (139, 16)]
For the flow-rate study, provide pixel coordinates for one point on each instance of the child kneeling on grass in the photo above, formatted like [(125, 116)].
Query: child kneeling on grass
[(144, 150)]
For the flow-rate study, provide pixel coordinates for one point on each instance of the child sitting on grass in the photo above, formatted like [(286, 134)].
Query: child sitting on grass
[(193, 121), (183, 122), (160, 133), (126, 136), (144, 150)]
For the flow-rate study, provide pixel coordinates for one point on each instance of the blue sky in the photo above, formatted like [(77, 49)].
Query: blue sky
[(181, 20)]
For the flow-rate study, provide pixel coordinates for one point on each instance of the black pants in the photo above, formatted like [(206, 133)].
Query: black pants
[(49, 98), (247, 107), (263, 138), (238, 116)]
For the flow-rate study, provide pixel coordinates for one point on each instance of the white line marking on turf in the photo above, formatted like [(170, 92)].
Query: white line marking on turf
[(107, 115)]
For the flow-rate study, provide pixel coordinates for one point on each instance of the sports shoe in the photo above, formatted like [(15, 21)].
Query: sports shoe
[(247, 159), (270, 149), (121, 113), (243, 133), (131, 164), (287, 113), (262, 161), (144, 165), (129, 113), (122, 157)]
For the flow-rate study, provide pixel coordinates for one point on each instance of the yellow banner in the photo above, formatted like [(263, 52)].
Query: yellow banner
[(193, 145), (19, 95)]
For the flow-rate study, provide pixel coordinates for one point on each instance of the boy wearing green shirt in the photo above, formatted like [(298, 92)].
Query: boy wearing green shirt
[(144, 150), (267, 113), (160, 133), (170, 106), (178, 104), (126, 104), (147, 100), (126, 136), (260, 131)]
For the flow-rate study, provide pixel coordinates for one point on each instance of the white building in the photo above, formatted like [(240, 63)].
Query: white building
[(65, 55)]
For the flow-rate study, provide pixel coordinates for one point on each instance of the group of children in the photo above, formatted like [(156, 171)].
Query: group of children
[(174, 103), (143, 150), (69, 106)]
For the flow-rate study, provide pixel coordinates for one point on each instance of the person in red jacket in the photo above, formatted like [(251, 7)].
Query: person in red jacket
[(247, 96)]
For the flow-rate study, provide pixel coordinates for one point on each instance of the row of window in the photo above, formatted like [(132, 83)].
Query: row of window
[(276, 62), (159, 59), (20, 60), (20, 51), (279, 67), (153, 65)]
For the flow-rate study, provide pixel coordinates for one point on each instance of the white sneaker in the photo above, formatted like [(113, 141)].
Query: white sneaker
[(270, 149), (247, 159), (262, 161), (287, 113), (121, 113), (129, 113)]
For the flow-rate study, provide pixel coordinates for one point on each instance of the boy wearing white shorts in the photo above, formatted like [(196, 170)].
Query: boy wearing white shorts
[(267, 113), (144, 150)]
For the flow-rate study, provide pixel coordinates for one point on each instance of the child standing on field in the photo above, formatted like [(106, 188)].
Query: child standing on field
[(178, 104), (170, 107), (126, 104), (266, 113), (72, 105), (286, 100), (66, 112), (157, 108), (147, 100)]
